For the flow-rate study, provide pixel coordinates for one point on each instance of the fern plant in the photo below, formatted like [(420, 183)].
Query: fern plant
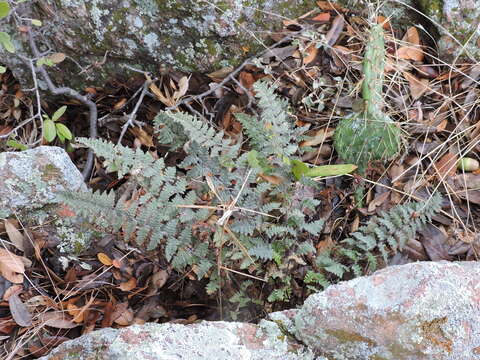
[(382, 237), (216, 207), (269, 221)]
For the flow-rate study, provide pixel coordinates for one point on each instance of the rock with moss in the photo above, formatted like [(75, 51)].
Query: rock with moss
[(99, 36), (204, 341), (457, 23), (31, 179)]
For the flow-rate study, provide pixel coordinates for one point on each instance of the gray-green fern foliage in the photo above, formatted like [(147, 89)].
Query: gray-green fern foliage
[(269, 223), (185, 211), (382, 237)]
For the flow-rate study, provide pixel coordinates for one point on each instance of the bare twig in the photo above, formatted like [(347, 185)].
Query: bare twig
[(73, 94), (132, 116)]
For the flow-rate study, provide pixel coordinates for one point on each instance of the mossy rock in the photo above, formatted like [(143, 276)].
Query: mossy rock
[(457, 22), (186, 34)]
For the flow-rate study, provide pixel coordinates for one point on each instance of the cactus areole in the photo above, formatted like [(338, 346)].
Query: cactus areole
[(369, 134)]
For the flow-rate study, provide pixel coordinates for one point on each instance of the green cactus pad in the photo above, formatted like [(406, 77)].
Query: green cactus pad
[(370, 134)]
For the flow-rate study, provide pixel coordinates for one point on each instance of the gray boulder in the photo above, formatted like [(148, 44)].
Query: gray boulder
[(204, 341), (100, 36), (457, 22), (30, 179), (424, 310), (417, 311)]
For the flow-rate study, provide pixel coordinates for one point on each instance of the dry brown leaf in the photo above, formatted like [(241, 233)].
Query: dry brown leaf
[(335, 31), (15, 236), (272, 179), (413, 51), (322, 17), (104, 259), (128, 285), (56, 319), (144, 137), (329, 5), (317, 137), (377, 201), (222, 73), (122, 315), (57, 58), (385, 23), (157, 281), (12, 290), (182, 88), (119, 104), (74, 311), (19, 311), (166, 100), (412, 36), (11, 266), (418, 87), (310, 54), (446, 165)]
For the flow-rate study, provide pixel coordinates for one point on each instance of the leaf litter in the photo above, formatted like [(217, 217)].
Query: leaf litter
[(316, 65)]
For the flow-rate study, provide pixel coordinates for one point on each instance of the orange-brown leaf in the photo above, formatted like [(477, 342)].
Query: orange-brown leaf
[(104, 259), (11, 266), (128, 285), (322, 17)]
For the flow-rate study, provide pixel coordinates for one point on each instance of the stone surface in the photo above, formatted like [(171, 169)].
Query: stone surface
[(99, 36), (203, 341), (416, 311), (29, 179), (457, 21)]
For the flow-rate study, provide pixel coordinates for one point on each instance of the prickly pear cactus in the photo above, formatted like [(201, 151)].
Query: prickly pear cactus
[(370, 134)]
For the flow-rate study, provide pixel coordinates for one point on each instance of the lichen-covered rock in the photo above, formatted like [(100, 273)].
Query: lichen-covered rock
[(416, 311), (203, 341), (30, 179), (457, 21), (98, 36)]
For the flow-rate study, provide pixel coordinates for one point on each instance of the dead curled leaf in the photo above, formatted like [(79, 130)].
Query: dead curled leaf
[(335, 31), (446, 165), (15, 236), (412, 51), (56, 319), (19, 311), (418, 87), (11, 266)]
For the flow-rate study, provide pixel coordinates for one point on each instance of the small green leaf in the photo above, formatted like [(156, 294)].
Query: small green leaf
[(299, 168), (16, 145), (36, 22), (61, 137), (63, 131), (6, 42), (2, 69), (58, 114), (49, 131), (252, 158), (45, 61), (4, 9)]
